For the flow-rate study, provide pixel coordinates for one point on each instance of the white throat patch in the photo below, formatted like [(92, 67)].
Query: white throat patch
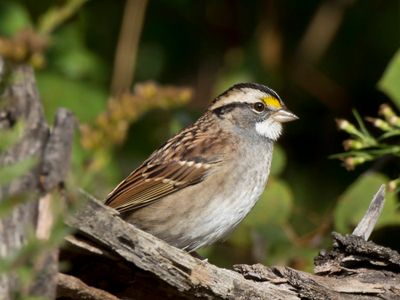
[(269, 128)]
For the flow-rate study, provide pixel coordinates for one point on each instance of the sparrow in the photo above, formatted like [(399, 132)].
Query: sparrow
[(198, 186)]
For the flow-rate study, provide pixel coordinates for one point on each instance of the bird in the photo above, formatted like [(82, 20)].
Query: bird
[(201, 183)]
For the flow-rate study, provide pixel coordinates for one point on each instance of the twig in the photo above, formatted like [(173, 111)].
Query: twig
[(127, 47), (74, 288), (367, 223), (322, 29), (58, 15)]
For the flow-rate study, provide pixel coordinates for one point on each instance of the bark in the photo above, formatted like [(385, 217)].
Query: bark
[(72, 287), (144, 266), (51, 149), (108, 258)]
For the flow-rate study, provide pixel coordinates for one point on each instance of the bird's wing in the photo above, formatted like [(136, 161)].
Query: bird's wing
[(154, 181), (176, 165)]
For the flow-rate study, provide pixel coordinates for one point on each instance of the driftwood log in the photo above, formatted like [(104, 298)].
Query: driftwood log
[(107, 258)]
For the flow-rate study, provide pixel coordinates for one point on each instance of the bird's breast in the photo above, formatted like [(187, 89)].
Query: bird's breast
[(235, 193), (203, 213)]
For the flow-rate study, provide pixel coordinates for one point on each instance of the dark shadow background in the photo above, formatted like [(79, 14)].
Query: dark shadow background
[(323, 58)]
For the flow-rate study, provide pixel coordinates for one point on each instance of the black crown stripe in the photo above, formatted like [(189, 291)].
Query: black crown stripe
[(249, 85)]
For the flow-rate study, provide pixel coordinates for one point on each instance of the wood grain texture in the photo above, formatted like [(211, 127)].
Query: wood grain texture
[(111, 259), (176, 267), (20, 102), (353, 269)]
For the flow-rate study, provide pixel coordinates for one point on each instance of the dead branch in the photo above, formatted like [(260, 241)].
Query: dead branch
[(353, 269), (111, 259), (367, 223), (72, 287), (190, 276), (51, 149)]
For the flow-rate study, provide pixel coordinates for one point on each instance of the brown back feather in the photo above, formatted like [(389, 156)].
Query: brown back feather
[(179, 163)]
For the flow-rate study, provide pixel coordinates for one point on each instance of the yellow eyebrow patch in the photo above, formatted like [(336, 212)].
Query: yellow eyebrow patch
[(272, 102)]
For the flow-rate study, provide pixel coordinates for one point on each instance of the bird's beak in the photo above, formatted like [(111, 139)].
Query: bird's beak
[(283, 116)]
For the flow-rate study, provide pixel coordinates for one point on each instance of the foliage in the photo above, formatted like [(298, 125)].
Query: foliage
[(11, 136), (25, 261), (111, 126), (22, 262), (209, 45), (389, 83), (9, 173), (8, 138), (352, 204), (29, 44), (363, 146)]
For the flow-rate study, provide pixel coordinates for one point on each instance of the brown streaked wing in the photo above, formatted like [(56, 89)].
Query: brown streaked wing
[(176, 165), (151, 182)]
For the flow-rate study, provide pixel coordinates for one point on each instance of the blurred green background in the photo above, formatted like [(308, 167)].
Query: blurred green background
[(135, 72)]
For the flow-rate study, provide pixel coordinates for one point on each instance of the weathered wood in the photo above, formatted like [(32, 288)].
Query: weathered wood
[(337, 276), (56, 156), (351, 251), (188, 275), (51, 150), (342, 276), (367, 223), (127, 263), (72, 287)]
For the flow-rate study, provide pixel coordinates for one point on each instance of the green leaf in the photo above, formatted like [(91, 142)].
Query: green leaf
[(278, 161), (361, 124), (151, 62), (241, 236), (278, 243), (390, 82), (274, 206), (13, 18), (230, 78), (354, 202), (8, 204), (11, 172), (85, 100), (11, 136), (391, 211), (57, 15), (71, 57)]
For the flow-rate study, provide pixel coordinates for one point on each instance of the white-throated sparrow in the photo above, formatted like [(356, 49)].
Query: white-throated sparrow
[(202, 182)]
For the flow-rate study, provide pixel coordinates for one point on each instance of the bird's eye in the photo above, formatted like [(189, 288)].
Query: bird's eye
[(259, 106)]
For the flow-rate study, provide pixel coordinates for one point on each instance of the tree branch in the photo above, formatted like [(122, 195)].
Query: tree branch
[(51, 149), (367, 223), (72, 287), (176, 267), (111, 259), (353, 269)]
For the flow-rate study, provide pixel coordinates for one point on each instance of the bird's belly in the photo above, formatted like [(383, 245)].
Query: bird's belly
[(198, 216), (227, 210)]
